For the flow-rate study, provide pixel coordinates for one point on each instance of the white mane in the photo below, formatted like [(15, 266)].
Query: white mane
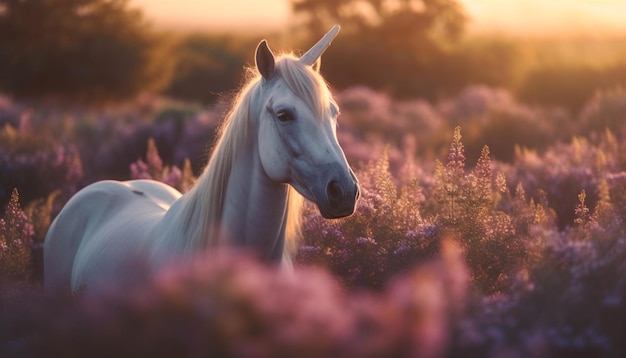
[(242, 197), (200, 209)]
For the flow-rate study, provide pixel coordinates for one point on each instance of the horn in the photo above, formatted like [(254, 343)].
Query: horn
[(318, 49)]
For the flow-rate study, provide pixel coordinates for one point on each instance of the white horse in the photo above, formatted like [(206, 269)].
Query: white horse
[(277, 144)]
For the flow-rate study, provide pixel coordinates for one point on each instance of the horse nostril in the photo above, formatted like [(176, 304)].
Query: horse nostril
[(334, 191)]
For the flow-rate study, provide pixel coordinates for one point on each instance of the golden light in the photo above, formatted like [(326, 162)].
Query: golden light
[(520, 17)]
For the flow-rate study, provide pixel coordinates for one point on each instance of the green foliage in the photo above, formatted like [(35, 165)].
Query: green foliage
[(412, 48), (606, 110), (398, 46), (91, 50), (569, 86), (416, 48), (206, 67), (505, 131), (417, 19), (491, 61)]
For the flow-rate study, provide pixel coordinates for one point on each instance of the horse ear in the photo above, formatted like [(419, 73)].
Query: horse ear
[(264, 59)]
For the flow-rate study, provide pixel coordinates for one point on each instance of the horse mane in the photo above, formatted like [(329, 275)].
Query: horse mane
[(200, 222)]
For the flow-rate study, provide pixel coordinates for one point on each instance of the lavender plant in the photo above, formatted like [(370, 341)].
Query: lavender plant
[(567, 168), (570, 303), (396, 227), (493, 117), (540, 239), (494, 226), (35, 165), (385, 236), (605, 110), (230, 305), (153, 168), (16, 238)]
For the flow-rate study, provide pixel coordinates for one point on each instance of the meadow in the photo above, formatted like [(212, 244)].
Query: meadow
[(486, 227)]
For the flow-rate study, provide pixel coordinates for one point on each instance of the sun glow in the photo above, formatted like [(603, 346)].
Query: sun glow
[(529, 17), (240, 15), (543, 17)]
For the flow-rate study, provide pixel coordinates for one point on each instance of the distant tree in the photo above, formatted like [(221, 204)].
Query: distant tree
[(396, 45), (206, 67), (415, 19), (83, 49), (570, 86)]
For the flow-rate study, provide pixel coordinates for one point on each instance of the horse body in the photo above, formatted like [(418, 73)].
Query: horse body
[(277, 145), (100, 227)]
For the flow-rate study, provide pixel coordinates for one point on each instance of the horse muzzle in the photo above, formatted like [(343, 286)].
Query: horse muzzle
[(339, 198)]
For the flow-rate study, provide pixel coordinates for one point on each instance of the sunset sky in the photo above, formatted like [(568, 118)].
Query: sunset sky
[(511, 16)]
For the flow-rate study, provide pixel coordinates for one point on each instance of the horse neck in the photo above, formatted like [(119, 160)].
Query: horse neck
[(240, 206), (254, 209)]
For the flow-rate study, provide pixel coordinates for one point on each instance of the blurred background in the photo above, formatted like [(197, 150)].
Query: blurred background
[(84, 84), (501, 121), (548, 53)]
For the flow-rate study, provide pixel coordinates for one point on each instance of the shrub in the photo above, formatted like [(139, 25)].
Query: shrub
[(153, 169), (409, 38), (543, 260), (605, 111), (230, 306), (493, 117), (569, 304), (90, 50), (385, 236), (567, 168), (477, 205), (35, 165), (206, 68), (395, 226), (569, 86), (16, 238)]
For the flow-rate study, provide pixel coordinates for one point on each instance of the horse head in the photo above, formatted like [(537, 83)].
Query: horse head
[(297, 130)]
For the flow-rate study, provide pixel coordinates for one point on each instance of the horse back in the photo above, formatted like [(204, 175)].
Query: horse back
[(98, 226)]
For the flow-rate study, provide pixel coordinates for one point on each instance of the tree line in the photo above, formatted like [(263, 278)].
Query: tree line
[(99, 51)]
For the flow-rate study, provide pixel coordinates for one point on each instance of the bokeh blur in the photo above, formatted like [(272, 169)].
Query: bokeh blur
[(555, 54), (489, 138)]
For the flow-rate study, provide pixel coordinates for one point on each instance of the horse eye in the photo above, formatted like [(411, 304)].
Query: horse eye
[(284, 116)]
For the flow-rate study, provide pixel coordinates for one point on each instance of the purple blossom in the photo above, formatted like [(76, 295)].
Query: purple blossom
[(229, 304), (365, 241), (512, 216)]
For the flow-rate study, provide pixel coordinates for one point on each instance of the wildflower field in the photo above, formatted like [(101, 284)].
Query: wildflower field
[(486, 227)]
